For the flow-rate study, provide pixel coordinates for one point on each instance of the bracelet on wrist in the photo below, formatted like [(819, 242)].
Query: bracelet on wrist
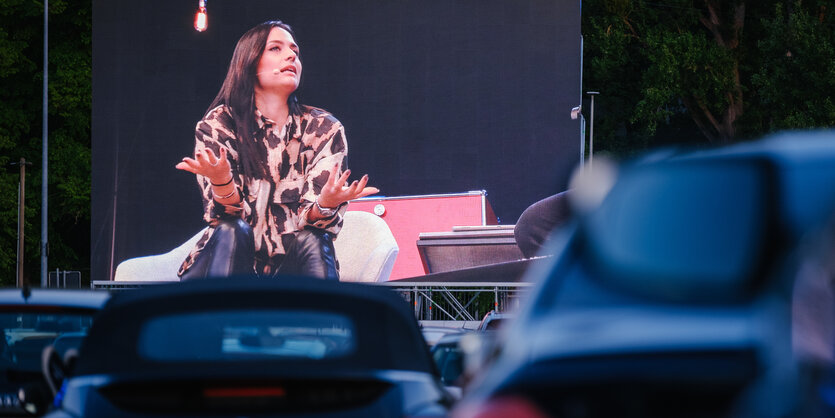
[(224, 184), (225, 196), (326, 212)]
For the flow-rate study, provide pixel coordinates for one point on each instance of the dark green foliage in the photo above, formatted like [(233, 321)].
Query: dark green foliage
[(796, 75), (699, 71), (70, 92)]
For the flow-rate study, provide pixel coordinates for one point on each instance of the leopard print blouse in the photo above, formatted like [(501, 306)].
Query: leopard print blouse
[(299, 154)]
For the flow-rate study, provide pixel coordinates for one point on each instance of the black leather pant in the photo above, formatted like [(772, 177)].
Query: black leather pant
[(311, 254), (231, 251)]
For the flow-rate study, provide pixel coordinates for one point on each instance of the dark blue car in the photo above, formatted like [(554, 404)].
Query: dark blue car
[(255, 347), (674, 296)]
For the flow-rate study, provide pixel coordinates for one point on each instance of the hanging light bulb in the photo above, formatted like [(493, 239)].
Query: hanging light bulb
[(201, 18)]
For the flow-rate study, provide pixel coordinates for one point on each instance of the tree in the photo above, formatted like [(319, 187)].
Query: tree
[(796, 75), (70, 92), (705, 70)]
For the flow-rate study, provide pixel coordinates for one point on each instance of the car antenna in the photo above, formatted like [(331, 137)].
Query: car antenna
[(27, 290)]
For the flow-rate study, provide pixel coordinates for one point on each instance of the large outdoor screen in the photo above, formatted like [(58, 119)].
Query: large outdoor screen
[(436, 96)]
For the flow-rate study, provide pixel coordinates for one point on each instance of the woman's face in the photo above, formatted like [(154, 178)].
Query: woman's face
[(279, 68)]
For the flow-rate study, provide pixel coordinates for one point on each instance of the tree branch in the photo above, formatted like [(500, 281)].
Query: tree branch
[(704, 118), (631, 28), (735, 106), (712, 23), (739, 23)]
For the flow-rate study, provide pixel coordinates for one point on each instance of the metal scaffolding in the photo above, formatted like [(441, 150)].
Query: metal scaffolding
[(451, 301)]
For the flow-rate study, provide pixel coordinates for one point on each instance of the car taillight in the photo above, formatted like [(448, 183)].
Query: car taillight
[(501, 407), (244, 392)]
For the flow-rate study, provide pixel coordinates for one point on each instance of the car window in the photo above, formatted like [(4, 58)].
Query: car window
[(26, 334), (242, 335)]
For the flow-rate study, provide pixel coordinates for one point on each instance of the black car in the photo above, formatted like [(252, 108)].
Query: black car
[(246, 346), (673, 297), (32, 321)]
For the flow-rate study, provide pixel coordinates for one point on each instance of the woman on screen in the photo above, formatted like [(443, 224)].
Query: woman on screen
[(270, 169)]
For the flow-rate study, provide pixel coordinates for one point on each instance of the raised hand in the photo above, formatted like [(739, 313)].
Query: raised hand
[(205, 163), (336, 192)]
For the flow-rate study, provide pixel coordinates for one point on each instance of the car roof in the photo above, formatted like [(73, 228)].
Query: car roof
[(64, 298), (437, 328), (452, 338), (442, 330), (433, 334), (497, 315), (387, 333)]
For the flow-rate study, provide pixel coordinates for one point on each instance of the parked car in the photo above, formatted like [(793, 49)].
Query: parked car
[(672, 298), (245, 346), (433, 334), (33, 320), (492, 320)]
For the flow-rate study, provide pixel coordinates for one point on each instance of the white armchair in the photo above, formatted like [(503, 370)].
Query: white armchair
[(365, 247), (156, 268)]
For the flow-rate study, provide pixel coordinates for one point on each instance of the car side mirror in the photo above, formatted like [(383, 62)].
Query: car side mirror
[(685, 230)]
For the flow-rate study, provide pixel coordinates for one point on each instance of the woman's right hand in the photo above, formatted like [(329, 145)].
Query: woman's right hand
[(206, 164)]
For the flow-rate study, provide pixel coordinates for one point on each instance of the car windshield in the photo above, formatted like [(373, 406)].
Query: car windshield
[(26, 334), (243, 335)]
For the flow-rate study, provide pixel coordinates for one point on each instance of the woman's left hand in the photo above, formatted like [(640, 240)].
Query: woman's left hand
[(335, 192)]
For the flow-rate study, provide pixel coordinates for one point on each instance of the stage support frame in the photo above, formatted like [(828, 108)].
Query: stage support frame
[(453, 301), (450, 301)]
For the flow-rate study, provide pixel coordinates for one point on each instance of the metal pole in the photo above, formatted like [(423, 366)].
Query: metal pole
[(582, 141), (591, 136), (45, 168), (579, 110), (577, 113), (591, 130), (21, 196)]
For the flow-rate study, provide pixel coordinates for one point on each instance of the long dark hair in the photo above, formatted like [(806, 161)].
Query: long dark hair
[(238, 94)]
